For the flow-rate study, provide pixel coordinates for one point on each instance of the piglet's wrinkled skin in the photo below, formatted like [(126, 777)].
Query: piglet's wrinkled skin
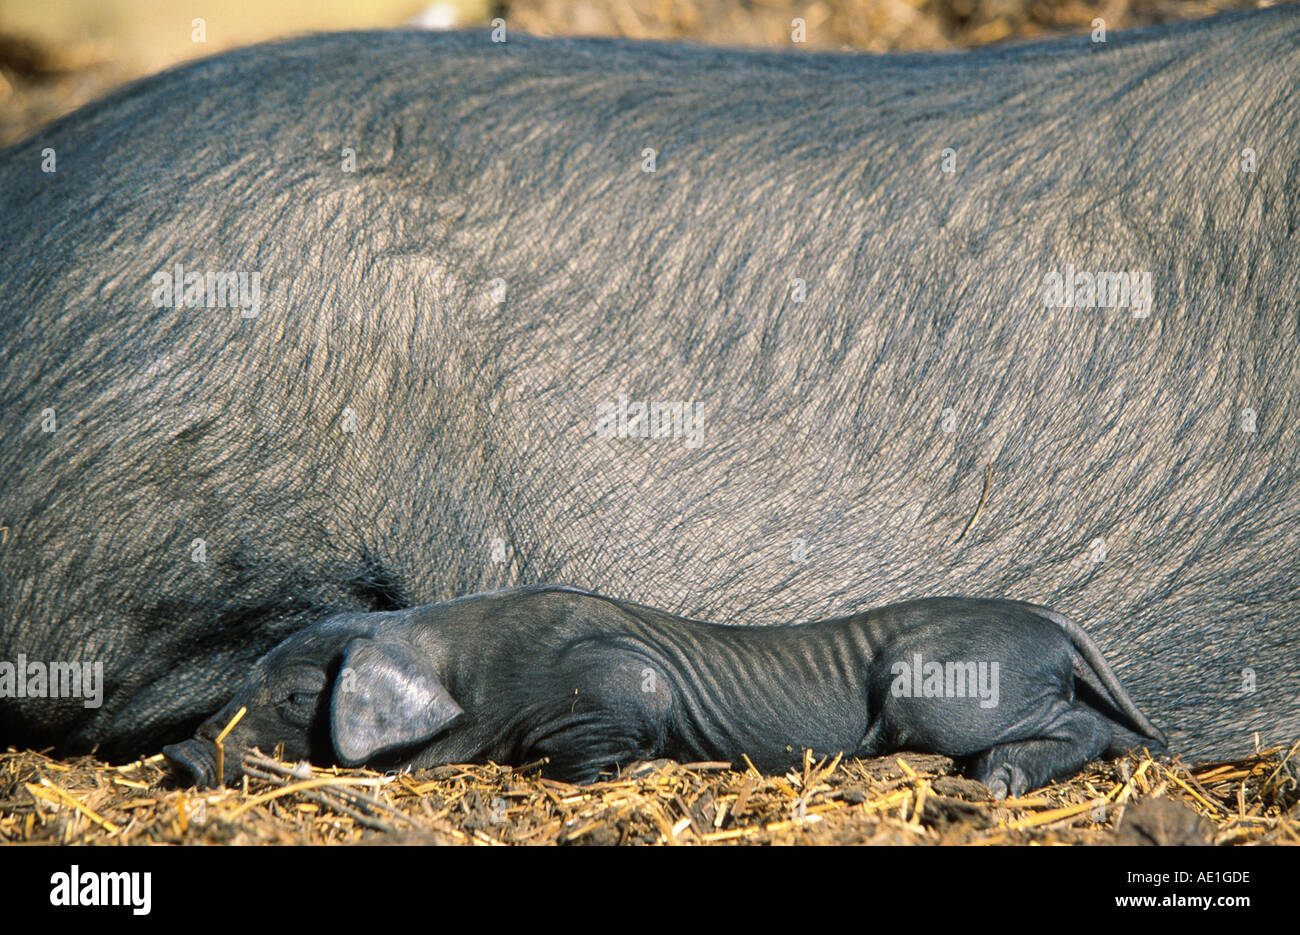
[(593, 684)]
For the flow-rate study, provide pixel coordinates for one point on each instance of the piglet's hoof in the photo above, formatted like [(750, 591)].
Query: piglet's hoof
[(643, 768), (1005, 779)]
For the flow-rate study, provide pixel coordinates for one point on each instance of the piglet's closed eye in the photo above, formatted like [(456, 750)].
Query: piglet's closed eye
[(387, 695)]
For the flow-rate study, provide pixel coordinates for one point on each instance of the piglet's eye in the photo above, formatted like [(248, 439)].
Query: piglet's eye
[(298, 687), (298, 707)]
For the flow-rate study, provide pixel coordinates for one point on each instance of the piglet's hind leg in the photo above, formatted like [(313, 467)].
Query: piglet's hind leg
[(1078, 735)]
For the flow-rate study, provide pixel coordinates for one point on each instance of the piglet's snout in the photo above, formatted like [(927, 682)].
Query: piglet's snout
[(195, 762)]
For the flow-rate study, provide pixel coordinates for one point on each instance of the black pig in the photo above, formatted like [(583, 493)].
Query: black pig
[(363, 322), (591, 684)]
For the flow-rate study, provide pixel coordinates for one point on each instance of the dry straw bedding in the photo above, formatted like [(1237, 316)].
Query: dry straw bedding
[(904, 799)]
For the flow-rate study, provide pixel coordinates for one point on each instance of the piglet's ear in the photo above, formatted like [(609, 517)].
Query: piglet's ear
[(387, 695)]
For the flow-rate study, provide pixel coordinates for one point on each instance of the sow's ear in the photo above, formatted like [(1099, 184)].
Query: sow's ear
[(387, 695)]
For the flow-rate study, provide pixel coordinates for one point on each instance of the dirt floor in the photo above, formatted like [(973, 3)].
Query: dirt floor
[(55, 59), (871, 25), (906, 799)]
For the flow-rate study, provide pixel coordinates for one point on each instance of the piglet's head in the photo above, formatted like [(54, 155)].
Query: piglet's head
[(328, 696)]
